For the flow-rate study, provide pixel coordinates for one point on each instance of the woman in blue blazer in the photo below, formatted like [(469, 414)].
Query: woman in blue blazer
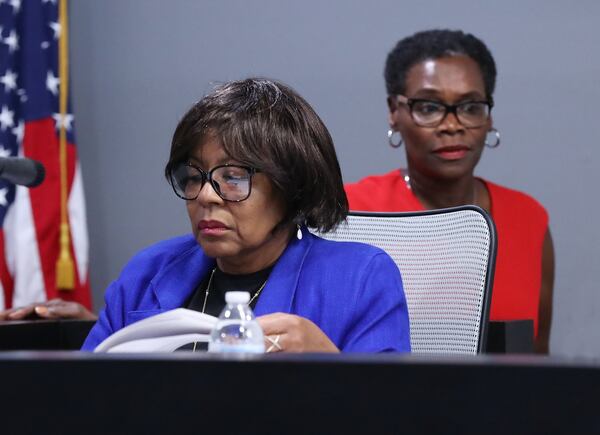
[(256, 167)]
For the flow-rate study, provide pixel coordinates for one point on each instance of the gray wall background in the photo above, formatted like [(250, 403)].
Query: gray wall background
[(138, 65)]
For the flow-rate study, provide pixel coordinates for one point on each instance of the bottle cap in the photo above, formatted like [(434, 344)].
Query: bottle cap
[(237, 297)]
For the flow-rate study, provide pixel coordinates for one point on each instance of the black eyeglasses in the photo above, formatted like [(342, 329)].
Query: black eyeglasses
[(231, 182), (430, 113)]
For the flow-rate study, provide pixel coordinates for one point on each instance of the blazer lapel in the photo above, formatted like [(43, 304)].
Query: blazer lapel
[(175, 284), (278, 294)]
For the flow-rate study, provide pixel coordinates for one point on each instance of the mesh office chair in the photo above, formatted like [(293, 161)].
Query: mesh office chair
[(446, 258)]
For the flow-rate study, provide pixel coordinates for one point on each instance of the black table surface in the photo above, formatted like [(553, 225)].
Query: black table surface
[(502, 337), (76, 392)]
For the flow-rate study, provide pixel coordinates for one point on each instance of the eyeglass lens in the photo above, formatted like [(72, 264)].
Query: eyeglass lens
[(431, 113), (232, 183)]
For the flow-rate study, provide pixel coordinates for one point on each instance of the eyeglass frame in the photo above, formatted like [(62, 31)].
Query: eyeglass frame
[(448, 108), (207, 176)]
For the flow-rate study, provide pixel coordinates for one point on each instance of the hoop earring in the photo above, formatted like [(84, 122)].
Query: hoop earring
[(496, 138), (391, 139)]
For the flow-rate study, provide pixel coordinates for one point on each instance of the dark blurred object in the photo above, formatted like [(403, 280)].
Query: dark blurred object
[(22, 171), (514, 336), (44, 334), (78, 392)]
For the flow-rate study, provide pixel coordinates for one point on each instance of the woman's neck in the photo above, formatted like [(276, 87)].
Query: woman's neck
[(434, 193), (259, 257)]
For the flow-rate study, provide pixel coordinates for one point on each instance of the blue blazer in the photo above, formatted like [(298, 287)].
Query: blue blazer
[(352, 291)]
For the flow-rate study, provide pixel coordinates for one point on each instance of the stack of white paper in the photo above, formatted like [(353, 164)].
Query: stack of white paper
[(164, 332)]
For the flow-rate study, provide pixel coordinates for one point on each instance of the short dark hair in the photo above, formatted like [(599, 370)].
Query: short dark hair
[(268, 126), (433, 44)]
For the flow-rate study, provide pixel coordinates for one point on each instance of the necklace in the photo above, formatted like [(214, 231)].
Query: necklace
[(208, 287), (409, 186)]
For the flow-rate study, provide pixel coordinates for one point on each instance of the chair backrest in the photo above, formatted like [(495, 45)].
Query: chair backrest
[(446, 258)]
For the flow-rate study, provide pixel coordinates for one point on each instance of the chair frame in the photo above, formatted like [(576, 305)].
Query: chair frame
[(491, 263)]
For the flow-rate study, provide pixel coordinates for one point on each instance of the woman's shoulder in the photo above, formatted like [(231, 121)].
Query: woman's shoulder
[(385, 192), (345, 253), (512, 201)]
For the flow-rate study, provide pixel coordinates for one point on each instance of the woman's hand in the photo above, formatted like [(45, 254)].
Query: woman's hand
[(290, 333), (52, 309)]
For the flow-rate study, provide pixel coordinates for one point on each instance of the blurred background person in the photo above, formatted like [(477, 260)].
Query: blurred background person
[(440, 86)]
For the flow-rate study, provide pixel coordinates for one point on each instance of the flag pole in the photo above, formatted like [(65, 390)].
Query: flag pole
[(65, 269)]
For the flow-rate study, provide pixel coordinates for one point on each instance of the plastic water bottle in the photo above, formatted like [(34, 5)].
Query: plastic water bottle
[(237, 329)]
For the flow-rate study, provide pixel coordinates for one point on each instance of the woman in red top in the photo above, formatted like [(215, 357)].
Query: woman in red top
[(440, 85)]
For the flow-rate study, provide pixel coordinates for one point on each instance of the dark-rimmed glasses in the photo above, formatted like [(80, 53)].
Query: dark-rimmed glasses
[(231, 182), (431, 113)]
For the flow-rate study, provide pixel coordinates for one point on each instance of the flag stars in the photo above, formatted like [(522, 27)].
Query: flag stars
[(45, 45), (52, 83), (19, 132), (3, 200), (63, 121), (9, 80), (4, 152), (12, 40), (22, 95), (55, 26), (6, 118), (16, 5)]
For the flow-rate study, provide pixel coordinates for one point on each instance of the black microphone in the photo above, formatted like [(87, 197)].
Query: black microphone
[(22, 171)]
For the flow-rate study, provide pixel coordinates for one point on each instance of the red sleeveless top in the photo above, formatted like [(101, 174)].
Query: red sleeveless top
[(518, 277)]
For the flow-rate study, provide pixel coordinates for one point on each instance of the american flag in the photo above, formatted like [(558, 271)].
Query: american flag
[(30, 120)]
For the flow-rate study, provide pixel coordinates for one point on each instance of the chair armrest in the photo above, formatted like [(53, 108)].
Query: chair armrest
[(513, 336)]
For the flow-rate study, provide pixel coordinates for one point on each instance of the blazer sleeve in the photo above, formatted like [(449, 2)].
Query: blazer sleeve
[(131, 290), (380, 322), (108, 321)]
